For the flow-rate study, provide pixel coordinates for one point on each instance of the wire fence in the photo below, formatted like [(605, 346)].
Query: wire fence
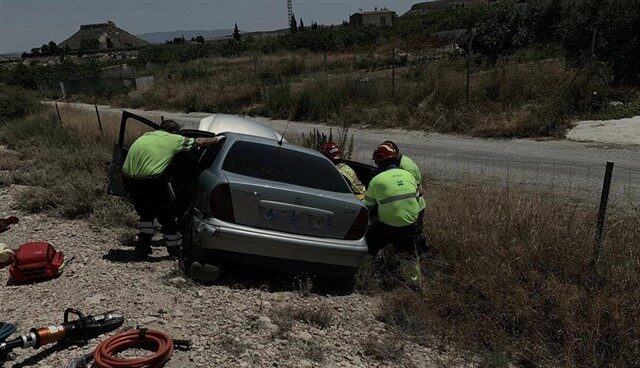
[(574, 184)]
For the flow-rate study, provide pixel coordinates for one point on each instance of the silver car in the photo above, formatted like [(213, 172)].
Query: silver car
[(261, 201)]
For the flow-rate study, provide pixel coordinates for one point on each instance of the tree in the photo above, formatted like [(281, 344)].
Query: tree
[(67, 48), (199, 39), (301, 27), (314, 25), (35, 50), (53, 48), (236, 33), (293, 24), (178, 40), (44, 49), (109, 43)]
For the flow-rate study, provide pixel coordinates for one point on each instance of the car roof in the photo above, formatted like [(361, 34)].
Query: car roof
[(224, 123)]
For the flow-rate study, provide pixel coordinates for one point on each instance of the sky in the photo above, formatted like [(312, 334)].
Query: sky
[(25, 24)]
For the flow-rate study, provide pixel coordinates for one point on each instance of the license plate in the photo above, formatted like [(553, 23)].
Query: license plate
[(295, 218)]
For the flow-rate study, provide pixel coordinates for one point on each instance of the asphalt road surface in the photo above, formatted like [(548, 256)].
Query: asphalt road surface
[(575, 167)]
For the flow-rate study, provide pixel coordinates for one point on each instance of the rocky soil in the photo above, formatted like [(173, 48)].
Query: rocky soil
[(230, 325)]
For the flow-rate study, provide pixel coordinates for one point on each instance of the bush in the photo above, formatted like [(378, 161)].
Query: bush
[(16, 103)]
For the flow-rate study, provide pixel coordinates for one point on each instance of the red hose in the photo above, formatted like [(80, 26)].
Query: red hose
[(104, 354)]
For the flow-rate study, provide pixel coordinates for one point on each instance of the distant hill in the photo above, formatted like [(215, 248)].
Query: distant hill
[(101, 36), (160, 37)]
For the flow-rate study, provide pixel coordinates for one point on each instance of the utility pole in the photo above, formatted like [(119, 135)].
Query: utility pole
[(289, 12)]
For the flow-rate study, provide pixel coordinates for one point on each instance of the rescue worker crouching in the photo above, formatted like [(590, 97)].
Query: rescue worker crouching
[(333, 152), (393, 193), (407, 164), (148, 185)]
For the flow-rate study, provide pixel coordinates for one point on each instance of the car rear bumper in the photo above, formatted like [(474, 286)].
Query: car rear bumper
[(226, 239)]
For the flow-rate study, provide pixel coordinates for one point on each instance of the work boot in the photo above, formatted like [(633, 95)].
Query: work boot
[(173, 251), (143, 245), (410, 270), (143, 249)]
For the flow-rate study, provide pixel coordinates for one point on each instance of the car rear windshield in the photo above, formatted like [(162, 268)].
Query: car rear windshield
[(283, 165)]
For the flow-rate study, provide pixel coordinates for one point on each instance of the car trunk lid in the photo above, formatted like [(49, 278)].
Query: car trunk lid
[(291, 208)]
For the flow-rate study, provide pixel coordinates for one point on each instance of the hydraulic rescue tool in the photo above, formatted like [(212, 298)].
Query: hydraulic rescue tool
[(79, 330)]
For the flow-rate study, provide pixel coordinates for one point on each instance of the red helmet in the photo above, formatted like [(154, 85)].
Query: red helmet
[(332, 151), (385, 153)]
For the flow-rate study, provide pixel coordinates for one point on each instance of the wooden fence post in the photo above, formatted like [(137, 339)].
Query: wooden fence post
[(470, 40), (98, 115), (326, 72), (58, 111), (393, 72), (602, 211)]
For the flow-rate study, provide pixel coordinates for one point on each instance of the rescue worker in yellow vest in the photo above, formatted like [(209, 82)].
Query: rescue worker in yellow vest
[(148, 185), (405, 163), (394, 194), (333, 152)]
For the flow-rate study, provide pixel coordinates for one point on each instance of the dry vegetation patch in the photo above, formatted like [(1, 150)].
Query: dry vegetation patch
[(510, 278), (509, 99)]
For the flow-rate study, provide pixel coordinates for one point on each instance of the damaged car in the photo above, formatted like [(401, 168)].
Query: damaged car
[(260, 201)]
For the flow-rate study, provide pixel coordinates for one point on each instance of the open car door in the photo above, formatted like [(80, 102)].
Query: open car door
[(120, 149), (364, 172)]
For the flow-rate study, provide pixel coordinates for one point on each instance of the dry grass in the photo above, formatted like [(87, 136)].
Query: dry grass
[(320, 316), (84, 123), (232, 345), (389, 348), (511, 99), (64, 166), (510, 279), (315, 352)]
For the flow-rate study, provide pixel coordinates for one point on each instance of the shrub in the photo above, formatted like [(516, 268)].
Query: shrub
[(16, 102)]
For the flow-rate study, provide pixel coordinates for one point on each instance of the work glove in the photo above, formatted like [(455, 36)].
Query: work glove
[(5, 253)]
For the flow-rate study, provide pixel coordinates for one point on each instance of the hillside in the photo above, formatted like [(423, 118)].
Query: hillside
[(160, 37), (101, 36)]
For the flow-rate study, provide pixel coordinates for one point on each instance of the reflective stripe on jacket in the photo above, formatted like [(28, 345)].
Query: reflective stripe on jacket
[(394, 192), (407, 164), (354, 183), (151, 154)]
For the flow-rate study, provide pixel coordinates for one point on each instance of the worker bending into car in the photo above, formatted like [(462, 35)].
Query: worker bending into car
[(393, 194), (407, 164), (147, 183), (333, 152)]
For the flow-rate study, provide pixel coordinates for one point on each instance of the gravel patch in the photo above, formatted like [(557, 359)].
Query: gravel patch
[(620, 131)]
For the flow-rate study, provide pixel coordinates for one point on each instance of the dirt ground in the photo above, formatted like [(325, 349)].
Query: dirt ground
[(229, 325)]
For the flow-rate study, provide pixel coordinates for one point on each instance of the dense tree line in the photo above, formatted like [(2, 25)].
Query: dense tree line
[(499, 30)]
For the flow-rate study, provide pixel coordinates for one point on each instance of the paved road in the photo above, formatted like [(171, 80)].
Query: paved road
[(577, 167)]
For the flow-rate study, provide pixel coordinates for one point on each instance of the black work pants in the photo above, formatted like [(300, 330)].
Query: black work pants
[(151, 199), (404, 239)]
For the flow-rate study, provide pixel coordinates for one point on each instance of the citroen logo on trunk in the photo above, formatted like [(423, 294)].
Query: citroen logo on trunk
[(299, 200)]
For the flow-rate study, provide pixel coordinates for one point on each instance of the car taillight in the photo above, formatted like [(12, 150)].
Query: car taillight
[(359, 227), (221, 204)]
